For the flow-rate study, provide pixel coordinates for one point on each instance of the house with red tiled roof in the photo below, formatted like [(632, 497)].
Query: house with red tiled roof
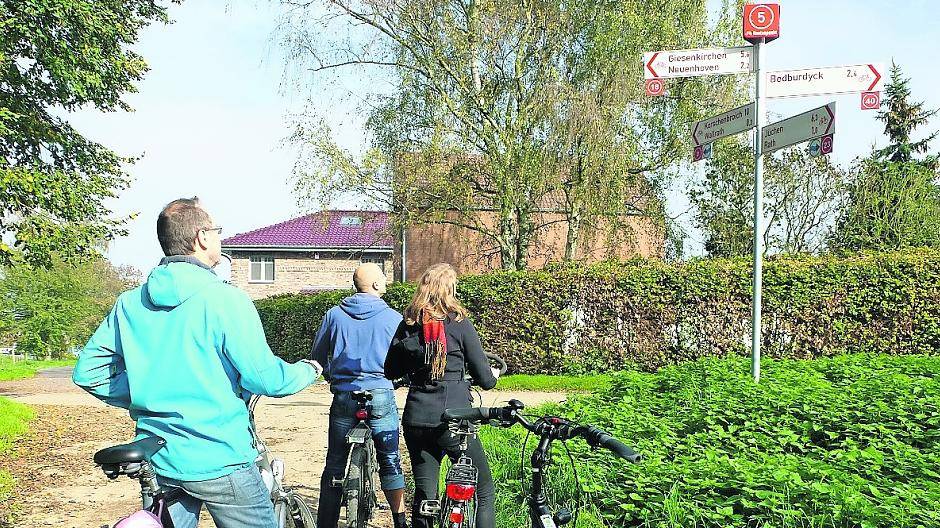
[(313, 252)]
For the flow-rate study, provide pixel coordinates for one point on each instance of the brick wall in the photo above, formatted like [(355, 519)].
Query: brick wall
[(295, 271), (471, 253)]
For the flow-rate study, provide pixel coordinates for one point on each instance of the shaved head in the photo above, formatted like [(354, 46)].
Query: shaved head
[(369, 278)]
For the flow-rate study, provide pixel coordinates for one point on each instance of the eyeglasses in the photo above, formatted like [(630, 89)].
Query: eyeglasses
[(217, 229)]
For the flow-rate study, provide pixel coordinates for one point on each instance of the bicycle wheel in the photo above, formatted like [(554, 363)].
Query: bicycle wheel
[(282, 514), (300, 513), (358, 489)]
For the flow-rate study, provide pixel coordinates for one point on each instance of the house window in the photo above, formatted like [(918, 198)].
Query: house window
[(350, 221), (262, 269), (378, 261)]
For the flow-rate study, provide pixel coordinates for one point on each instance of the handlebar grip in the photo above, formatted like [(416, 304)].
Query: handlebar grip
[(622, 450), (605, 440), (499, 361), (476, 414)]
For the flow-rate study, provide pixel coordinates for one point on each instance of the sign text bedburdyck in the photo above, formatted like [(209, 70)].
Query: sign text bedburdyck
[(823, 81)]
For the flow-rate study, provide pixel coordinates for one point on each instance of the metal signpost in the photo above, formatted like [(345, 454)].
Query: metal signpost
[(760, 25)]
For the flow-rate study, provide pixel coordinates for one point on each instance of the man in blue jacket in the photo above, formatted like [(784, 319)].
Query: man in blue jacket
[(352, 343), (183, 353)]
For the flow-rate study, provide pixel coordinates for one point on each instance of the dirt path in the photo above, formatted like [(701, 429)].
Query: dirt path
[(58, 485)]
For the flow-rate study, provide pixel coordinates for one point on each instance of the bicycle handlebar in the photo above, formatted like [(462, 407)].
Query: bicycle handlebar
[(563, 429)]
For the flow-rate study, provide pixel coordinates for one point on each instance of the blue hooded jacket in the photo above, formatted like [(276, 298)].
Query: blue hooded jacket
[(353, 341), (183, 352)]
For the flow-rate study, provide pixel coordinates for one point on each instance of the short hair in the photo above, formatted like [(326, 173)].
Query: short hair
[(179, 224)]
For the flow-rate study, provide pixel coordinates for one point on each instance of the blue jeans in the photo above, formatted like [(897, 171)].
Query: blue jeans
[(237, 500), (383, 420)]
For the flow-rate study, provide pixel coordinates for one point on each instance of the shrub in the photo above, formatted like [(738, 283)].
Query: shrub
[(648, 314)]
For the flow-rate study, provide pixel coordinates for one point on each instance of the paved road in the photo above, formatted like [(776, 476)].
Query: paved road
[(55, 372), (67, 490)]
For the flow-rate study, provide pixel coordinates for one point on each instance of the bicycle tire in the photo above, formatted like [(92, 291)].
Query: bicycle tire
[(282, 514), (358, 507), (301, 513)]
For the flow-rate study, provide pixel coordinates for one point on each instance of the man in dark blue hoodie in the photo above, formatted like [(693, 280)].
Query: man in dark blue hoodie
[(352, 344)]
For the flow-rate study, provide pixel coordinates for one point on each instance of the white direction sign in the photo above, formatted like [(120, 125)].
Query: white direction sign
[(697, 62), (823, 81), (809, 125), (728, 123)]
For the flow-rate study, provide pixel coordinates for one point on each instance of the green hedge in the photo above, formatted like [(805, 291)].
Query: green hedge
[(647, 314), (845, 442)]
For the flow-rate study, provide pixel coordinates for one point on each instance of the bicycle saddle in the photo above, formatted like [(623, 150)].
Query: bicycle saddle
[(362, 396), (136, 451)]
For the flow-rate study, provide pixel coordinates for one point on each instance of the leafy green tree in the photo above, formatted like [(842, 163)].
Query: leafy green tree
[(57, 56), (901, 118), (801, 196), (519, 111), (47, 311), (893, 200)]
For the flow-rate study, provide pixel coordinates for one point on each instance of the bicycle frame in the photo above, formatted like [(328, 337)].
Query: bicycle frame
[(540, 514), (460, 483), (548, 429)]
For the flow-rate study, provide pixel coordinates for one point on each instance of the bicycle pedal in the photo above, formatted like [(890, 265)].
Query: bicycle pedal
[(430, 507), (383, 506)]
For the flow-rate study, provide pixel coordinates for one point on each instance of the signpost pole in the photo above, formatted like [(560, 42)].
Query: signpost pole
[(758, 213)]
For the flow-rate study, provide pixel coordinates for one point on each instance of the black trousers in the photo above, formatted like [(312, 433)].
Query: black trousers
[(427, 447)]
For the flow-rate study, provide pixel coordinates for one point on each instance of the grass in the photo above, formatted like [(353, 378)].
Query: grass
[(13, 370), (14, 417), (545, 383), (13, 424)]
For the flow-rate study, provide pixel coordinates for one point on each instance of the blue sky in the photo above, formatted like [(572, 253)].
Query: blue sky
[(211, 116)]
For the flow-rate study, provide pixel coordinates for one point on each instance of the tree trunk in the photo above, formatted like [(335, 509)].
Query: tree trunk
[(573, 235)]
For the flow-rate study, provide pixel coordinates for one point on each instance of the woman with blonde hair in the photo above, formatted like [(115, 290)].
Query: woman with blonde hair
[(436, 346)]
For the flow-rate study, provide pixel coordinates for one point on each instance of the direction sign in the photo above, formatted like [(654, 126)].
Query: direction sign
[(655, 87), (826, 144), (761, 22), (871, 100), (822, 81), (701, 152), (814, 147), (809, 125), (726, 124), (697, 62)]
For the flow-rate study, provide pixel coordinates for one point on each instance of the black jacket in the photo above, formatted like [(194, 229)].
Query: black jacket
[(427, 399)]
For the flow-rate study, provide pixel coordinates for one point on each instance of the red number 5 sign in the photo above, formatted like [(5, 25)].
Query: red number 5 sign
[(761, 22)]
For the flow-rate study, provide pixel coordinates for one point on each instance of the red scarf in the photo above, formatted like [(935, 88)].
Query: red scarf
[(435, 345)]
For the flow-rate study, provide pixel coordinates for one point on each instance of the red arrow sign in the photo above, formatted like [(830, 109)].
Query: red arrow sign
[(875, 82), (832, 119), (649, 64)]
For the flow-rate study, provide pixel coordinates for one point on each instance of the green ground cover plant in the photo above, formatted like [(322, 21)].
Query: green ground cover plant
[(850, 441)]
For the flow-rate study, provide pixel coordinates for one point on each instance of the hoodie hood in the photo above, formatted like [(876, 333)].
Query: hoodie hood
[(363, 306), (171, 284)]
